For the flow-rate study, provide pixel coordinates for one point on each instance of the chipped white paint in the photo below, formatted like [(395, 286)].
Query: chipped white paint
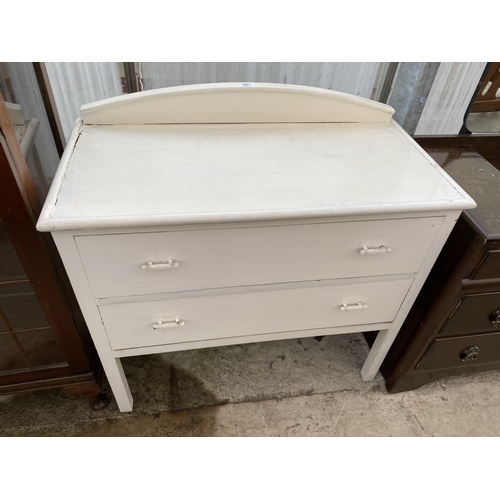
[(247, 194)]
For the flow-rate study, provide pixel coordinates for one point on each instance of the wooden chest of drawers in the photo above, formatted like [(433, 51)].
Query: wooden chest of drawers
[(220, 214), (454, 325)]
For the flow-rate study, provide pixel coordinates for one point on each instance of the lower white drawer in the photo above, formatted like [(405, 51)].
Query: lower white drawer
[(190, 319)]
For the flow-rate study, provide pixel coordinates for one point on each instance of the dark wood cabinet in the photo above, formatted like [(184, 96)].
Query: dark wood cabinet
[(43, 338), (454, 325)]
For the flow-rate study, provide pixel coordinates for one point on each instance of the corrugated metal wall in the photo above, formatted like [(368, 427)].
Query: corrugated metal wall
[(450, 95), (363, 79), (75, 84)]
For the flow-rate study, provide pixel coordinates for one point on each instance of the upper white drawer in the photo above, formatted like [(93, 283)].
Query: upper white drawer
[(117, 265)]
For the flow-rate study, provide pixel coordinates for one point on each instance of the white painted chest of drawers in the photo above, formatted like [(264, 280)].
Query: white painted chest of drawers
[(209, 215)]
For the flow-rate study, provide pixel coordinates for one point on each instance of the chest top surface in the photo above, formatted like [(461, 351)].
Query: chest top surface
[(226, 152)]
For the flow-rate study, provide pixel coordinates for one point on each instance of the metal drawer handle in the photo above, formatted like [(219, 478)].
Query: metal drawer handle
[(469, 354), (369, 251), (169, 264), (169, 324), (353, 307), (495, 318)]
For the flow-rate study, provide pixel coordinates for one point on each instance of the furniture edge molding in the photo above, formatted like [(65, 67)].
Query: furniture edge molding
[(469, 203), (235, 103), (45, 219), (47, 223)]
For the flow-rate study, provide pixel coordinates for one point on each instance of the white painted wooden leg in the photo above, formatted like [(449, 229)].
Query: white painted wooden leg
[(118, 382), (382, 344), (112, 366)]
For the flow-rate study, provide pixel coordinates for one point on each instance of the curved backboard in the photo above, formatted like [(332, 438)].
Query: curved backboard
[(235, 103)]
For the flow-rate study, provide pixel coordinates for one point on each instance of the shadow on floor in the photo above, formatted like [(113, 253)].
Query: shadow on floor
[(166, 386), (179, 390)]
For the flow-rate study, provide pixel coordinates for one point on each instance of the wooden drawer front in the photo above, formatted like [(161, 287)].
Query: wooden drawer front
[(461, 352), (131, 325), (221, 258), (476, 313), (489, 267)]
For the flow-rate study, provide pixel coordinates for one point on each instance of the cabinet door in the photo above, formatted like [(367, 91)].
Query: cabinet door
[(26, 339), (40, 344)]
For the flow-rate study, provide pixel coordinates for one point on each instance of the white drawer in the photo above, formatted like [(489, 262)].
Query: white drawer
[(190, 319), (218, 258)]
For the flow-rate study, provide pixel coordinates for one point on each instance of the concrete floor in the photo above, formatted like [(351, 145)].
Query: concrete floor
[(301, 387)]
